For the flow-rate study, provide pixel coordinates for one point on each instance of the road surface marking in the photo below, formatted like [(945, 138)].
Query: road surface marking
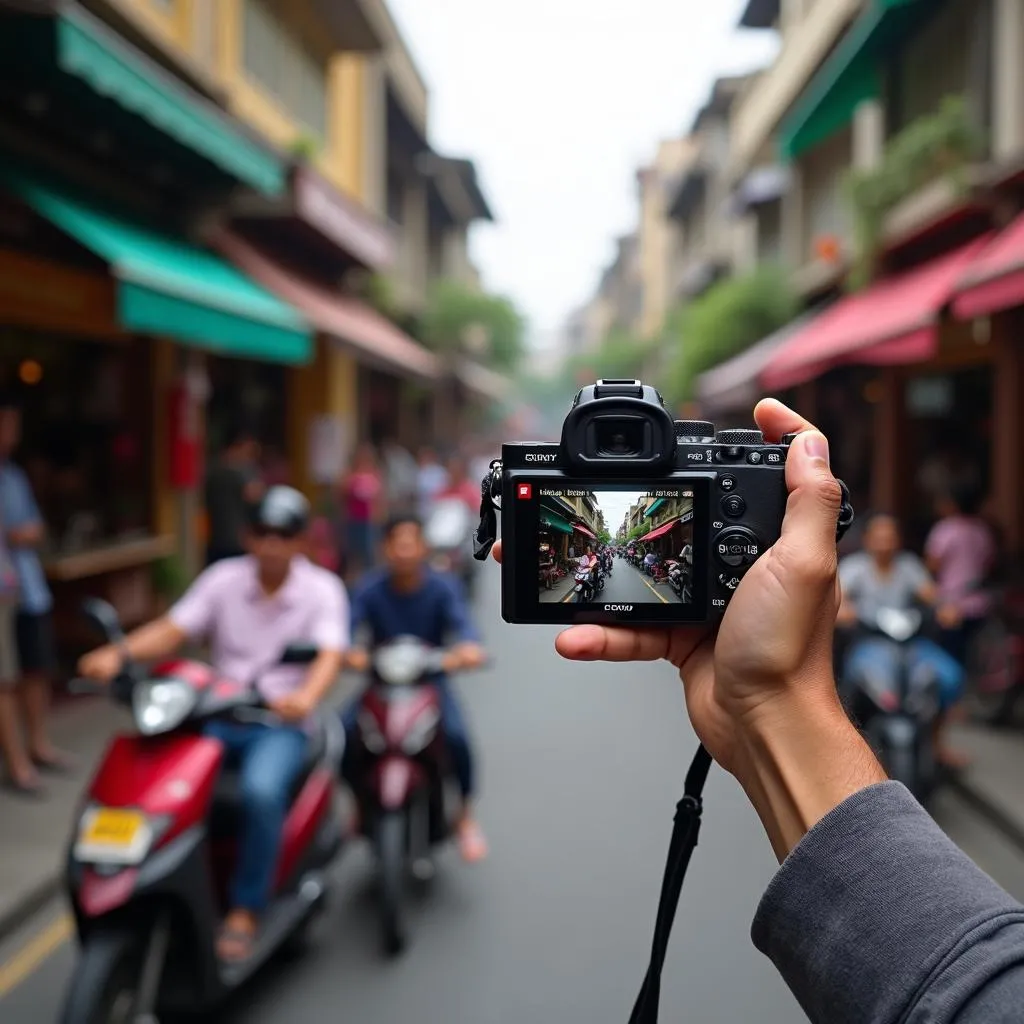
[(643, 580), (35, 953), (568, 597)]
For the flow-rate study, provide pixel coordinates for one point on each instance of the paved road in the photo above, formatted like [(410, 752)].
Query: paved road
[(626, 585), (581, 769)]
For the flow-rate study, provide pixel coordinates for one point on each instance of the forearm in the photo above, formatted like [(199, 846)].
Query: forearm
[(323, 674), (797, 765), (155, 640)]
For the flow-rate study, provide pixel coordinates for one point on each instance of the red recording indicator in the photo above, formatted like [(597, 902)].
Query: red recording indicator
[(525, 492)]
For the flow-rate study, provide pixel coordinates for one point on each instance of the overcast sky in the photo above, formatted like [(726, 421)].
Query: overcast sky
[(615, 505), (559, 103)]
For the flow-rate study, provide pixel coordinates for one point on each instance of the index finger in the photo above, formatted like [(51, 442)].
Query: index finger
[(776, 419)]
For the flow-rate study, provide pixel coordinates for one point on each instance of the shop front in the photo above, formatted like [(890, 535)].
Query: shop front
[(91, 306)]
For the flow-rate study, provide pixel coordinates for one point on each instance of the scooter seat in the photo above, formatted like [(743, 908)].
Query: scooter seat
[(226, 815)]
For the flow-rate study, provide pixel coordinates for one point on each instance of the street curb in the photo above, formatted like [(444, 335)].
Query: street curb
[(975, 796), (33, 902)]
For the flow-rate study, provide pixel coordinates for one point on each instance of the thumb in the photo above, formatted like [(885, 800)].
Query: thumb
[(812, 511)]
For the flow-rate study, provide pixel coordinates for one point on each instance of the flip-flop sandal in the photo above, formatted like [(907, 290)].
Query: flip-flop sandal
[(55, 766), (26, 790), (241, 940)]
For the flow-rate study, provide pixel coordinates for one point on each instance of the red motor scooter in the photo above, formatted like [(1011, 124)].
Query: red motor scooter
[(401, 775), (154, 845)]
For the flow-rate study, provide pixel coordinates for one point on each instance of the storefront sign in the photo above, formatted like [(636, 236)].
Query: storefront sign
[(37, 293), (328, 450)]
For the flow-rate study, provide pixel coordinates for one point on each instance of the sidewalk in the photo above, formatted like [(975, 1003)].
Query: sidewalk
[(34, 835), (995, 781)]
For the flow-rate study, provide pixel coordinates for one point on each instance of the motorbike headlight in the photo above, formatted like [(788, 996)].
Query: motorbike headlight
[(160, 705), (399, 664), (117, 837)]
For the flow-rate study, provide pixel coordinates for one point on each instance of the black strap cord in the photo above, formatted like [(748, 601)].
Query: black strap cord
[(684, 842)]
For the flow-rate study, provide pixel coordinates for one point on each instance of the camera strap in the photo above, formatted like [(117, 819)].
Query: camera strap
[(684, 841)]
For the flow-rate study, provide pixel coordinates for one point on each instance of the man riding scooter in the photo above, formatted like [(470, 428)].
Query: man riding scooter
[(883, 576), (250, 609), (408, 598)]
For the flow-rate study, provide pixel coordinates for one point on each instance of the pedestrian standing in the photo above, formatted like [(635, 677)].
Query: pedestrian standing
[(23, 534), (232, 486), (363, 501)]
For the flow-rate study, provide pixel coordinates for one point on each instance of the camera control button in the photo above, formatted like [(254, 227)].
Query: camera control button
[(755, 458), (729, 581), (727, 483), (733, 506), (774, 456), (736, 547)]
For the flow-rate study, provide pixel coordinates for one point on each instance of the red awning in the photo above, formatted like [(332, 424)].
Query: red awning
[(995, 279), (660, 531), (895, 321), (349, 321), (584, 530)]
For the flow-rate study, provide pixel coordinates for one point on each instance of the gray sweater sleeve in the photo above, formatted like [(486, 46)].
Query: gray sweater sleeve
[(877, 918)]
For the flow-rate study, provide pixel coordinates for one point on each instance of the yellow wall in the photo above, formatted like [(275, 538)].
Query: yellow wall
[(171, 23), (327, 387)]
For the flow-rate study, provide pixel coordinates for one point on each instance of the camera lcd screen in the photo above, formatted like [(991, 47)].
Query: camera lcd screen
[(603, 545)]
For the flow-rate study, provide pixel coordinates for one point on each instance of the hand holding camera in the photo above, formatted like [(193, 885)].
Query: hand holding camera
[(759, 685)]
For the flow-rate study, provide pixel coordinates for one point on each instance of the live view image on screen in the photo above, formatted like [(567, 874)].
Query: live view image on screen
[(616, 546)]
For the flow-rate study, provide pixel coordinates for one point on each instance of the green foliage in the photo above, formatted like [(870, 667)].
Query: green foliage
[(730, 317), (933, 146), (379, 292), (604, 536), (169, 577), (306, 148), (454, 311)]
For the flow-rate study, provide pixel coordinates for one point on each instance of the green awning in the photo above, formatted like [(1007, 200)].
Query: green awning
[(74, 43), (851, 75), (170, 288), (555, 522), (654, 507)]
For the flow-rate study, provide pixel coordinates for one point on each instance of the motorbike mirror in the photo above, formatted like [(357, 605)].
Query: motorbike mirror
[(300, 654), (104, 617)]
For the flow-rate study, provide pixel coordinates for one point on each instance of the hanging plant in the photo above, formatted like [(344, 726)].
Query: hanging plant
[(938, 145)]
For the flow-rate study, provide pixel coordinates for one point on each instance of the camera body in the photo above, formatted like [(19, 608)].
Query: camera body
[(633, 517)]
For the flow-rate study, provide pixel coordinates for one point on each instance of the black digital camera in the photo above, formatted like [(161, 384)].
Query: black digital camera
[(634, 517)]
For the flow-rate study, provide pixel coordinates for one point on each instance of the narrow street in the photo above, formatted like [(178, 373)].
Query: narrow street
[(626, 585), (581, 768)]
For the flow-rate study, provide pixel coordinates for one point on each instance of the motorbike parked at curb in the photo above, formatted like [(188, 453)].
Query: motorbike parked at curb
[(402, 778), (896, 708), (154, 844)]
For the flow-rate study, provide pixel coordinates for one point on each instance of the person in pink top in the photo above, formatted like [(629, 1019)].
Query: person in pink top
[(363, 498), (960, 553), (250, 609)]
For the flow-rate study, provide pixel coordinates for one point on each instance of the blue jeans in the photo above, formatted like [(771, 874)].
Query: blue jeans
[(875, 655), (270, 760), (453, 724)]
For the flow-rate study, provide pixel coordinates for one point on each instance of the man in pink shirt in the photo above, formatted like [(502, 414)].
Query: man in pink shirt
[(251, 609)]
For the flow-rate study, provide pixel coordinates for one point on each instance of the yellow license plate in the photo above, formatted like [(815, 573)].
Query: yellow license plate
[(113, 828)]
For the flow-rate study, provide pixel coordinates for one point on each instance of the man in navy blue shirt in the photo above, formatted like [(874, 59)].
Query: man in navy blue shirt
[(408, 598)]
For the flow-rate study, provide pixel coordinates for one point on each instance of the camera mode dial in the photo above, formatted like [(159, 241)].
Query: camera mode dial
[(736, 437), (736, 547), (694, 430)]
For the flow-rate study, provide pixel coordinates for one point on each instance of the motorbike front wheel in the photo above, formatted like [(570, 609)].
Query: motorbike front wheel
[(105, 984), (389, 839)]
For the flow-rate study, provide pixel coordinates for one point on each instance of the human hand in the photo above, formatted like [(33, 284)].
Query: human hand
[(465, 657), (101, 665), (775, 649), (295, 707), (357, 659)]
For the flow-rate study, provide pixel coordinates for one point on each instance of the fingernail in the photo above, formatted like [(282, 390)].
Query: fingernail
[(816, 446)]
